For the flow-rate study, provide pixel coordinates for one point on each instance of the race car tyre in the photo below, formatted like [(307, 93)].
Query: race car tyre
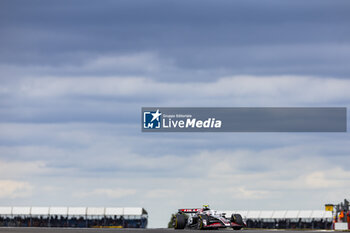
[(180, 221), (237, 218)]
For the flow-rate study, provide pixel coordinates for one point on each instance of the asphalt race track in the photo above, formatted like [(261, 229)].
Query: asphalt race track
[(130, 230)]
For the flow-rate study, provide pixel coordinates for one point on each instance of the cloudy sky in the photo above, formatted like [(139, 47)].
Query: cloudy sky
[(75, 74)]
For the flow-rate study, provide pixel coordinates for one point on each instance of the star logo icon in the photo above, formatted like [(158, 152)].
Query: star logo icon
[(156, 115), (152, 119)]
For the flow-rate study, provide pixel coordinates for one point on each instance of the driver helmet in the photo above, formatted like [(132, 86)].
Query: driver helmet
[(206, 207)]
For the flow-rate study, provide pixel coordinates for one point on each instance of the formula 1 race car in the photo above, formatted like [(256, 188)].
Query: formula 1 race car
[(206, 218)]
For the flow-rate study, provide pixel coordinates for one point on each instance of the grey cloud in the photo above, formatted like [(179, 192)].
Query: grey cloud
[(237, 37), (119, 99)]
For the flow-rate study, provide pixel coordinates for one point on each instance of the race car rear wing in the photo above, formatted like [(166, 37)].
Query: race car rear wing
[(189, 211)]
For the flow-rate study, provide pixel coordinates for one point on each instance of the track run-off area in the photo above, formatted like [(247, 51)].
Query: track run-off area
[(133, 230)]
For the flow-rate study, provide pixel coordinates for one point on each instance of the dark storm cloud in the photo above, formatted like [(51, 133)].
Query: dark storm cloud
[(226, 37)]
